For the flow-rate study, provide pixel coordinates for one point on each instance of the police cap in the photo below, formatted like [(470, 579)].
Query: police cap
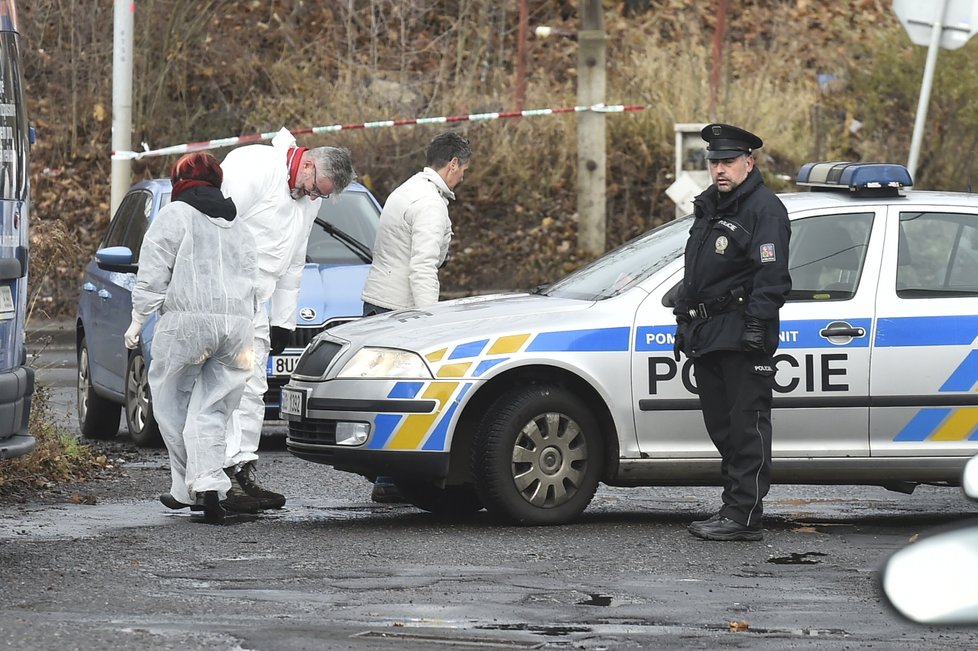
[(725, 141)]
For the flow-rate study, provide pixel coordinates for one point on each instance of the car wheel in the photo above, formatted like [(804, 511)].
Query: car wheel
[(139, 406), (98, 417), (537, 456), (452, 500)]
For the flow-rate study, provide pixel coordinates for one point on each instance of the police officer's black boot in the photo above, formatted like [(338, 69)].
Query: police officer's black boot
[(726, 529), (699, 524)]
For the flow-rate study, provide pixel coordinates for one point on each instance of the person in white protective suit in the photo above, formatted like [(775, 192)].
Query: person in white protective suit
[(276, 189), (197, 267), (412, 245)]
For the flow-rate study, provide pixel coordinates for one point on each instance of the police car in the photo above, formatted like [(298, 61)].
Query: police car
[(523, 403)]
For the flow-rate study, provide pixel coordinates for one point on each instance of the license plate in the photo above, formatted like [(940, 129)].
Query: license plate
[(293, 404), (6, 302), (282, 364)]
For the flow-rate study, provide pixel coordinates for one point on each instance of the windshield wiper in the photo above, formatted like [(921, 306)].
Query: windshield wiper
[(348, 240)]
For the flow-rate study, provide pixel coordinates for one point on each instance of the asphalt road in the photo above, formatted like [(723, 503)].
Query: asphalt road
[(334, 570)]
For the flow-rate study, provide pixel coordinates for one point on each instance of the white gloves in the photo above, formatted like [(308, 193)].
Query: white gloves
[(132, 334)]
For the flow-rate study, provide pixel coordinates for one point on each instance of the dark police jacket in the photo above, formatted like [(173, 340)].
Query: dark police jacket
[(736, 266)]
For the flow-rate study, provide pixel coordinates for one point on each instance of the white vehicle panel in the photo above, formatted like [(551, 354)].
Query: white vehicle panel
[(925, 362)]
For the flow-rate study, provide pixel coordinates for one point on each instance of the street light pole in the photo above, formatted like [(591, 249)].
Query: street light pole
[(591, 62), (921, 119)]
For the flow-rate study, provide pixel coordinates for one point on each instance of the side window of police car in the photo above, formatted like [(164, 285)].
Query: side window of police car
[(937, 255), (826, 256)]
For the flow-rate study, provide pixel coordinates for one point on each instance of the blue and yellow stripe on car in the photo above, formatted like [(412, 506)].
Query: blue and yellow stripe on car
[(947, 423), (938, 423), (473, 359)]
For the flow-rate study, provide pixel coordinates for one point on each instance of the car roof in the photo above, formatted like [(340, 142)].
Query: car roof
[(798, 201)]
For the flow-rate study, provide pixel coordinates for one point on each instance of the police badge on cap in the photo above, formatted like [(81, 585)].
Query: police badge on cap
[(725, 141)]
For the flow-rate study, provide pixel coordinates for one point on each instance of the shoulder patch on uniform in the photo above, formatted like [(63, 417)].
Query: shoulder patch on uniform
[(767, 252)]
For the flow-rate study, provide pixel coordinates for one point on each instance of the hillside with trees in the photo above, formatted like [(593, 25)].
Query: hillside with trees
[(817, 80)]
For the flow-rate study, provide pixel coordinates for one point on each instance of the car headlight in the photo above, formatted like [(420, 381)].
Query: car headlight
[(385, 362)]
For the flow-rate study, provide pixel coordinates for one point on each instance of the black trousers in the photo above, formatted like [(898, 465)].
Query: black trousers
[(369, 309), (735, 390)]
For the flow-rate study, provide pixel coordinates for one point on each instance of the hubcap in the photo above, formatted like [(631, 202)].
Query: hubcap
[(549, 460), (137, 400), (83, 384)]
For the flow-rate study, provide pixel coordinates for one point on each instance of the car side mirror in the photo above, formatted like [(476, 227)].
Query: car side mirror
[(969, 479), (116, 258), (932, 581)]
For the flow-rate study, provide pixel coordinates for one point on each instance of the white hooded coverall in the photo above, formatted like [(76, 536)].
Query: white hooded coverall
[(256, 178), (412, 244), (199, 272)]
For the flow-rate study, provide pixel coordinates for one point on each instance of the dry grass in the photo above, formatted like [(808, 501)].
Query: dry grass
[(58, 458), (244, 67)]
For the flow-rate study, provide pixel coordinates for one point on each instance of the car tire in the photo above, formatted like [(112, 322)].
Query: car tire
[(452, 500), (98, 417), (142, 426), (537, 456)]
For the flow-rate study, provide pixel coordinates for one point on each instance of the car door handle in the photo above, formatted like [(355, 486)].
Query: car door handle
[(841, 330), (104, 293), (88, 287)]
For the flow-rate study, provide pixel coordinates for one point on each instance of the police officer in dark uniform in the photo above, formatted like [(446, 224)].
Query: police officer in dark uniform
[(736, 281)]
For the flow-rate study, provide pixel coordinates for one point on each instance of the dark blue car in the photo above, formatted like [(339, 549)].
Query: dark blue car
[(111, 377)]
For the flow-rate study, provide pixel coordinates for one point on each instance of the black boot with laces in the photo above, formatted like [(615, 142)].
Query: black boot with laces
[(239, 501), (246, 479)]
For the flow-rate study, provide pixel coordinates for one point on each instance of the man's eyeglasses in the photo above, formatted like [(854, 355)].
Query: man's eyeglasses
[(315, 193)]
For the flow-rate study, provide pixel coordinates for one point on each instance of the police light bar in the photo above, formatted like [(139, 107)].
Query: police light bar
[(886, 178)]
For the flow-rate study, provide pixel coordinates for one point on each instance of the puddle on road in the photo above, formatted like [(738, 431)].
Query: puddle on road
[(739, 628), (596, 600), (796, 558), (67, 521), (79, 520), (470, 642), (550, 631)]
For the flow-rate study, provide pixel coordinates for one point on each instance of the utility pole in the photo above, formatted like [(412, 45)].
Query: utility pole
[(121, 98), (521, 56), (591, 62)]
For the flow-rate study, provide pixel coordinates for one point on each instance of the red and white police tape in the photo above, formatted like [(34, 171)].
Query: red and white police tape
[(257, 137)]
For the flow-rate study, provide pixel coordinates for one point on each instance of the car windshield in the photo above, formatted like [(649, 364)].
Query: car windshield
[(629, 264), (352, 214)]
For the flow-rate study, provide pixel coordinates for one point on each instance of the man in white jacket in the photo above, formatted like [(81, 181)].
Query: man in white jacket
[(412, 244), (276, 190), (415, 231)]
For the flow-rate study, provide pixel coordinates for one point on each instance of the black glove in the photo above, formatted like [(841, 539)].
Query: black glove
[(280, 339), (754, 335), (679, 341)]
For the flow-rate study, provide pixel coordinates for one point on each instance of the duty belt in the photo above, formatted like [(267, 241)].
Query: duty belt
[(718, 305)]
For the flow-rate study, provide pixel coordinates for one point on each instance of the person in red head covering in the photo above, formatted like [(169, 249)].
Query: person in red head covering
[(197, 268)]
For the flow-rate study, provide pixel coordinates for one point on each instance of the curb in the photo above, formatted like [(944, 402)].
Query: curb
[(47, 332)]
